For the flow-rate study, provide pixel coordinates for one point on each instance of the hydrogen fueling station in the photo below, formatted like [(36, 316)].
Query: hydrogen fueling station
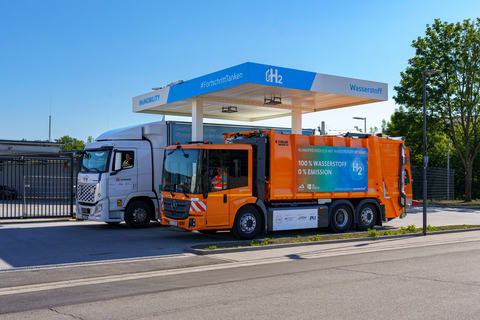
[(263, 180), (252, 92)]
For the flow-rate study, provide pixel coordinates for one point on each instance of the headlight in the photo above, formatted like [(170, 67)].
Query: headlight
[(98, 208)]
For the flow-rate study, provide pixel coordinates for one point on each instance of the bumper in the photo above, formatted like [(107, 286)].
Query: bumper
[(191, 223), (98, 212)]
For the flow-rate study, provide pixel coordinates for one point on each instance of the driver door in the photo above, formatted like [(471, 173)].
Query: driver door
[(125, 181), (218, 208)]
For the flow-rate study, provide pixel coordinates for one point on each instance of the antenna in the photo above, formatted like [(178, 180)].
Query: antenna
[(50, 119)]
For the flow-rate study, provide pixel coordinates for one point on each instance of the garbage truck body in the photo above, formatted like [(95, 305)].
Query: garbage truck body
[(261, 181)]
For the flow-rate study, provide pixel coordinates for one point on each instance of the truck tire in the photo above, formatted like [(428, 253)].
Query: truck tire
[(367, 215), (247, 223), (137, 215), (341, 218)]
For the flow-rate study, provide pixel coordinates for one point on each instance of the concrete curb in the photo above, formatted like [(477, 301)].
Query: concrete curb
[(297, 244), (36, 221)]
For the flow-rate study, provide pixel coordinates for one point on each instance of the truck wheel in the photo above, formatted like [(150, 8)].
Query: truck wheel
[(247, 223), (367, 215), (341, 218), (137, 215)]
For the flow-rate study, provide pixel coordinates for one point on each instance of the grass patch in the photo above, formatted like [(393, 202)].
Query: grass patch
[(373, 233), (455, 203)]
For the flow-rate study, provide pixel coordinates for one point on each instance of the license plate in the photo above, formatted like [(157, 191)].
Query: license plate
[(173, 223)]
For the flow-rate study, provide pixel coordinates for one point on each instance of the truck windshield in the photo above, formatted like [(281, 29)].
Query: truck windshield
[(181, 171), (95, 161)]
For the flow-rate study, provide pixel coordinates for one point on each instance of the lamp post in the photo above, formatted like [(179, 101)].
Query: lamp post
[(364, 122), (425, 158), (448, 168)]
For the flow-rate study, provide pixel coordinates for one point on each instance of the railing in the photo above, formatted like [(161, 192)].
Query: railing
[(37, 186), (440, 183)]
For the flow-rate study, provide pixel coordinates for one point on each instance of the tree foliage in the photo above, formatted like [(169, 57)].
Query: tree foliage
[(71, 144), (452, 96)]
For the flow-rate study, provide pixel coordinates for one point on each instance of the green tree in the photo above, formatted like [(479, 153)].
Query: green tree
[(90, 139), (453, 95), (71, 144)]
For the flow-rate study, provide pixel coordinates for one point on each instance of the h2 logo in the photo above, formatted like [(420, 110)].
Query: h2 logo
[(270, 76)]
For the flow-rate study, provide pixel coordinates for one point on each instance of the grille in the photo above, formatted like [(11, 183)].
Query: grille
[(86, 192), (181, 210)]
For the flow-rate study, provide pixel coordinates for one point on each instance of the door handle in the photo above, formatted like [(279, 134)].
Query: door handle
[(225, 198)]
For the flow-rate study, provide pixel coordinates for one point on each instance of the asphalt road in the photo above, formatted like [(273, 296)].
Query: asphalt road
[(415, 277), (67, 242)]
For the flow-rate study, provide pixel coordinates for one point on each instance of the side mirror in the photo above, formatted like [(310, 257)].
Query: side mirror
[(205, 181), (117, 163)]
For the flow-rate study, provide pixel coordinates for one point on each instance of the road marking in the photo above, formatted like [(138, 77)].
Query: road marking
[(376, 246), (93, 263)]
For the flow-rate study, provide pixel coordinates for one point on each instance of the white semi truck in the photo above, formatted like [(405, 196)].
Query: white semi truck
[(111, 189)]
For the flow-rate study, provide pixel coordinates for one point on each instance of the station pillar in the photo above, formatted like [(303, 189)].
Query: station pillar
[(197, 120)]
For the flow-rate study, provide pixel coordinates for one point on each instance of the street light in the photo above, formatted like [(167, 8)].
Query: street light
[(365, 122), (425, 158)]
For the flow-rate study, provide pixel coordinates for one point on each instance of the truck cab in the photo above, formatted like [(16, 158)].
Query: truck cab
[(211, 176), (120, 176)]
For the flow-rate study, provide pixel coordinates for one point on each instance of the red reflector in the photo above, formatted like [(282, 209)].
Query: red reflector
[(177, 142), (415, 203)]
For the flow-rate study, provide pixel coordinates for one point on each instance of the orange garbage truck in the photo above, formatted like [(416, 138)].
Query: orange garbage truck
[(263, 181)]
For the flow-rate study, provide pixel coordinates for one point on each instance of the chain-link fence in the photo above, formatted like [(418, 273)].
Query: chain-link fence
[(440, 183)]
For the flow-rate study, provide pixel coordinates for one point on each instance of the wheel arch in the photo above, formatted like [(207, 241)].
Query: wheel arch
[(148, 201), (369, 201), (335, 203)]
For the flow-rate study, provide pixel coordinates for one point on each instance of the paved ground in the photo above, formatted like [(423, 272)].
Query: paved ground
[(66, 242), (413, 277)]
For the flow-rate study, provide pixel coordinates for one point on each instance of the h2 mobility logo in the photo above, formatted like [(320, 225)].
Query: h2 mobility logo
[(270, 76), (149, 100), (354, 87)]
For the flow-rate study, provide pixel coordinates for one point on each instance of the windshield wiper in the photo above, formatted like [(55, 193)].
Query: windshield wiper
[(178, 147), (95, 169)]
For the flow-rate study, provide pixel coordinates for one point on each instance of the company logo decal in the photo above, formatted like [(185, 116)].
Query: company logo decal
[(313, 218), (85, 178), (282, 142), (119, 202), (278, 219), (273, 76)]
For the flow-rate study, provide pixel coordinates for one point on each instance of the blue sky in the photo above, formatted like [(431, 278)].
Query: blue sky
[(84, 61)]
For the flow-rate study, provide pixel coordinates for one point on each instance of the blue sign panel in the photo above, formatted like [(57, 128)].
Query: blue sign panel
[(219, 80), (280, 77)]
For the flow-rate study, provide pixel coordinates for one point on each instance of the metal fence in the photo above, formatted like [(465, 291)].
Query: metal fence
[(37, 186), (440, 183)]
